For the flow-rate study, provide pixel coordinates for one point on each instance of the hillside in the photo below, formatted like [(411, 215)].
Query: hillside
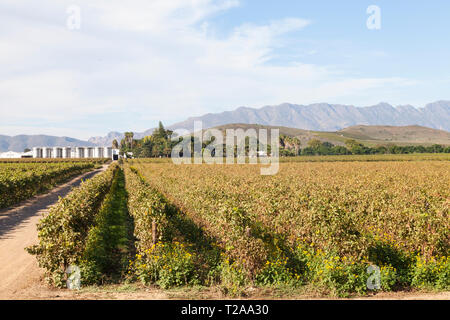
[(368, 135), (283, 130), (412, 134)]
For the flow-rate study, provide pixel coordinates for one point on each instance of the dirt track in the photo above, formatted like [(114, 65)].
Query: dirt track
[(19, 271)]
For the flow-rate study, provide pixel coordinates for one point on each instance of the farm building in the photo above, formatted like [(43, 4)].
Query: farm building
[(10, 155)]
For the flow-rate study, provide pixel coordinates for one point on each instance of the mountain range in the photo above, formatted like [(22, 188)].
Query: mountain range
[(314, 117), (21, 142), (317, 117), (330, 117)]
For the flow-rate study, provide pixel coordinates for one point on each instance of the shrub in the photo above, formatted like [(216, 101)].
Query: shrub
[(431, 273), (338, 275), (389, 277), (276, 272), (233, 277), (167, 264), (385, 253)]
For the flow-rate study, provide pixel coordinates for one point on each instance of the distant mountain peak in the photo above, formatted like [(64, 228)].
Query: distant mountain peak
[(384, 105)]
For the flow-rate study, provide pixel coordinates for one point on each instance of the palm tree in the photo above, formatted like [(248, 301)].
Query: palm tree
[(129, 139)]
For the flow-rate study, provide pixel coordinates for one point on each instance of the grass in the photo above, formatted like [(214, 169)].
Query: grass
[(112, 288), (110, 241), (137, 290)]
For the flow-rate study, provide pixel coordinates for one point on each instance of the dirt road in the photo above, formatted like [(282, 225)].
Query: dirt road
[(18, 269)]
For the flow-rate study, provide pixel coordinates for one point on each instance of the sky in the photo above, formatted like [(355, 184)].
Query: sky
[(83, 68)]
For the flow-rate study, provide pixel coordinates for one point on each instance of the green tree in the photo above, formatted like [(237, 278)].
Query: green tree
[(314, 144), (158, 144), (129, 139)]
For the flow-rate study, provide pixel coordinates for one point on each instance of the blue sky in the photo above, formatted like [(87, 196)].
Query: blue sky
[(130, 65)]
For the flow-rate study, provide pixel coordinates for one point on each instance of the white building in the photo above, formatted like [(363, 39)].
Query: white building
[(10, 155)]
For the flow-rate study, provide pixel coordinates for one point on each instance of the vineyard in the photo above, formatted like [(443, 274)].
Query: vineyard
[(20, 180), (373, 157), (54, 160), (316, 225)]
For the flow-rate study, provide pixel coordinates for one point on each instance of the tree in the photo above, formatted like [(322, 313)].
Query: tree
[(437, 148), (357, 148), (308, 151), (350, 143), (159, 144), (420, 149), (161, 131), (129, 139), (339, 150), (381, 149), (314, 144)]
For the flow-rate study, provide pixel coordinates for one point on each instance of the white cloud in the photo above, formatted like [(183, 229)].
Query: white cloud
[(248, 46), (157, 15), (155, 59)]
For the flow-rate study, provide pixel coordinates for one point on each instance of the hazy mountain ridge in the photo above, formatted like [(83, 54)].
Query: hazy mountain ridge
[(108, 139), (20, 142), (329, 117)]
